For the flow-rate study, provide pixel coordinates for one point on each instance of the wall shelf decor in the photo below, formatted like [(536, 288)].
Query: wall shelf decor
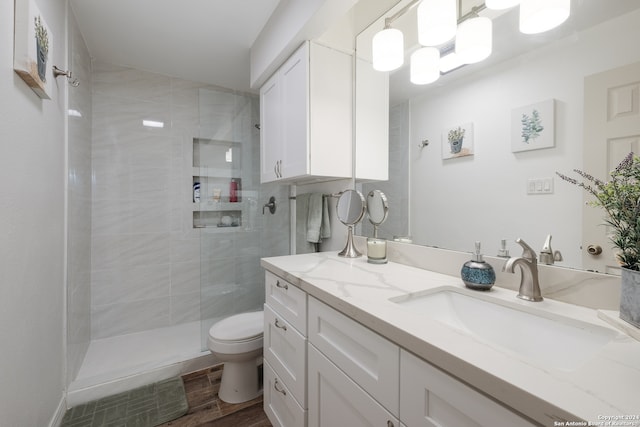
[(457, 141), (33, 44), (533, 126)]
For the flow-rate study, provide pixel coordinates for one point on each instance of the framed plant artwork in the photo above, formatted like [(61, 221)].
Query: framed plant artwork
[(32, 51), (457, 141), (533, 126)]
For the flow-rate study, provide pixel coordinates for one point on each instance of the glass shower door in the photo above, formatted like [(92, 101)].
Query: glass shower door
[(233, 229)]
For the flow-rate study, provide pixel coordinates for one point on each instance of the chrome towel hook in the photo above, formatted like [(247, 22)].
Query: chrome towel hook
[(57, 72)]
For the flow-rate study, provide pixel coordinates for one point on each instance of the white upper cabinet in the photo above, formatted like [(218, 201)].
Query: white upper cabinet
[(306, 117), (372, 123)]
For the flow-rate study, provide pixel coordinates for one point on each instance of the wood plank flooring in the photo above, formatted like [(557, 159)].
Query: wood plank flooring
[(207, 410)]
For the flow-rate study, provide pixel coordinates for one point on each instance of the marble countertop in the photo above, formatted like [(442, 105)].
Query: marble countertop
[(606, 384)]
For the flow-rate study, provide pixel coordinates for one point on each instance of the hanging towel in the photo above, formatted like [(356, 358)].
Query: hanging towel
[(312, 222), (325, 228), (302, 213), (314, 218), (318, 226)]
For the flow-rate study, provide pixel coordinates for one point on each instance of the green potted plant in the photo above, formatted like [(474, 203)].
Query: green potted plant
[(620, 199), (42, 45)]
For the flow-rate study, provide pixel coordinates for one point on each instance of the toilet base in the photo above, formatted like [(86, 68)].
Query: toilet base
[(240, 382)]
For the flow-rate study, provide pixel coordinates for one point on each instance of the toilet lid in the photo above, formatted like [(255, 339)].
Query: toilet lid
[(241, 327)]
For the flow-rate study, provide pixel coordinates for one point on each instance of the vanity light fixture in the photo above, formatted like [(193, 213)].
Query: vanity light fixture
[(501, 4), (474, 39), (425, 66), (437, 22), (538, 16), (388, 49), (473, 34)]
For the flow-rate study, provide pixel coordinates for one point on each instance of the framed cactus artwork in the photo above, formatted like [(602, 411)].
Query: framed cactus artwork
[(533, 126), (457, 141), (32, 51)]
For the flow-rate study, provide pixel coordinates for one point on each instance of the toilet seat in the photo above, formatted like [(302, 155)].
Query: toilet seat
[(240, 333)]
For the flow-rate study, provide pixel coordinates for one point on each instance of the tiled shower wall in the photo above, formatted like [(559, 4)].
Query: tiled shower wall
[(145, 252), (79, 204)]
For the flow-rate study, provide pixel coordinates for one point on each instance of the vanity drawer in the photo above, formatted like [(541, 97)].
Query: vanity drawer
[(289, 301), (367, 358), (279, 405), (286, 351), (430, 397)]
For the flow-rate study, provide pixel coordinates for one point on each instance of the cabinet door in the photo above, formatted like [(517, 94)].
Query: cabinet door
[(285, 350), (295, 109), (270, 129), (335, 400), (372, 123), (432, 398), (279, 405)]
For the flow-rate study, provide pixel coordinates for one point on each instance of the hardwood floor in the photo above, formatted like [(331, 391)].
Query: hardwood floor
[(207, 410)]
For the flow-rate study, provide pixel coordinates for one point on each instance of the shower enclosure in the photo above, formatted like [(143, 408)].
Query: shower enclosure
[(164, 264)]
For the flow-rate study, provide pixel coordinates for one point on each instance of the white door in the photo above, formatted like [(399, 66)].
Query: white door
[(611, 131)]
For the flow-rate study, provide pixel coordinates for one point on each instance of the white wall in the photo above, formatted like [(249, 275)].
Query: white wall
[(32, 199), (486, 192)]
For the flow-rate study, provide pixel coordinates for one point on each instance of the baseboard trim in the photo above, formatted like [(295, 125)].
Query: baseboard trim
[(56, 420)]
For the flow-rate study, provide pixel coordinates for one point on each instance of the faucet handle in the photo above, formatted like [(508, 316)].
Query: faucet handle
[(547, 254), (527, 251)]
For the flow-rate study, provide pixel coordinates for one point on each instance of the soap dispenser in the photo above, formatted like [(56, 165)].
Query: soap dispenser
[(478, 274)]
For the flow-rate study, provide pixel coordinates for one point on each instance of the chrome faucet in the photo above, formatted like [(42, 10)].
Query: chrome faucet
[(547, 255), (529, 285)]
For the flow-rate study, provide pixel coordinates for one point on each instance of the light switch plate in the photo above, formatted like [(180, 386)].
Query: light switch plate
[(540, 186)]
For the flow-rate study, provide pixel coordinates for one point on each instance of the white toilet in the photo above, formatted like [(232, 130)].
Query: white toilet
[(237, 341)]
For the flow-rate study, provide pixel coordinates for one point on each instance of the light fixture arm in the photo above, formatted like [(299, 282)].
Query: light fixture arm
[(475, 10), (473, 13), (388, 21)]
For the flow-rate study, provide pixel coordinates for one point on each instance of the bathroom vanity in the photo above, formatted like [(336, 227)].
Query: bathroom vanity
[(395, 345)]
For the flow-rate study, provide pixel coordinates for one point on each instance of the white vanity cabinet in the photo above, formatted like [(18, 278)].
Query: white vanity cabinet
[(324, 369), (431, 398), (306, 117), (285, 353)]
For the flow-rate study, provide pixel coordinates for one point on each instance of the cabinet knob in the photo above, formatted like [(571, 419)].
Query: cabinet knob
[(279, 390), (389, 423), (278, 325), (281, 286)]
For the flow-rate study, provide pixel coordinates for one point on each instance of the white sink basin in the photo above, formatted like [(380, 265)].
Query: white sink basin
[(548, 340)]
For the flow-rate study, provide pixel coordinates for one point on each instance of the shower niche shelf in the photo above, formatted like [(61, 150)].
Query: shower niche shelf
[(215, 164)]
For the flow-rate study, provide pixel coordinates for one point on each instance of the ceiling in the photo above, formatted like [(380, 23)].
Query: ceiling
[(207, 41)]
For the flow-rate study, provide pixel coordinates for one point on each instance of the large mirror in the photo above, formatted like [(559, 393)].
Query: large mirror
[(498, 190)]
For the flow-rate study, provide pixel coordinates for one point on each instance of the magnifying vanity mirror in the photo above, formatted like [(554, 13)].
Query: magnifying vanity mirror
[(350, 209), (377, 209)]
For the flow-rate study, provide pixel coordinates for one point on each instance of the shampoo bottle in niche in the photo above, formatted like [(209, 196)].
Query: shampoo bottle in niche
[(196, 192), (478, 274), (233, 191)]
